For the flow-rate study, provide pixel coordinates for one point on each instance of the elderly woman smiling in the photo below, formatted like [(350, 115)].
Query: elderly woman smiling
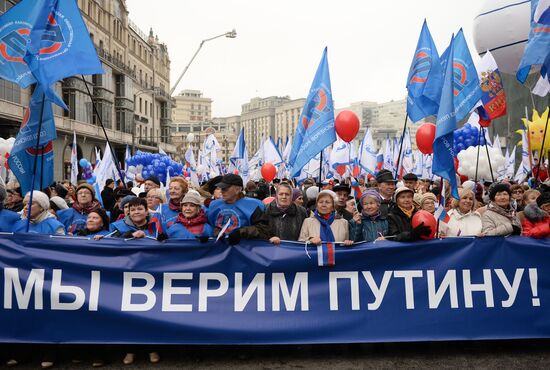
[(323, 226), (463, 219)]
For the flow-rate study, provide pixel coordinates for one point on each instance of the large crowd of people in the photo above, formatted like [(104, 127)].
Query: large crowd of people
[(381, 208)]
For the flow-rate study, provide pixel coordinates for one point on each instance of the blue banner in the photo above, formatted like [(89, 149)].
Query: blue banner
[(63, 290)]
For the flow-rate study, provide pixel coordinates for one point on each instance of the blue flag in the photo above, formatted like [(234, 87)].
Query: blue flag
[(443, 153), (24, 152), (45, 41), (425, 78), (537, 50), (315, 130)]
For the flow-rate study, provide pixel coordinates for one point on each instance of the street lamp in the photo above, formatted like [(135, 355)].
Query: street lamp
[(231, 35)]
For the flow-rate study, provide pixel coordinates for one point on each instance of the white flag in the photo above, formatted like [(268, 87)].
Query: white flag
[(74, 162), (368, 154)]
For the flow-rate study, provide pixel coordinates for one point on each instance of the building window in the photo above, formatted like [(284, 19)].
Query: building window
[(10, 91), (140, 102)]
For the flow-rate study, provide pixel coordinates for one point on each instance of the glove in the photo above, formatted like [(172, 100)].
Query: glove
[(162, 237), (516, 230), (203, 238), (421, 230), (234, 237)]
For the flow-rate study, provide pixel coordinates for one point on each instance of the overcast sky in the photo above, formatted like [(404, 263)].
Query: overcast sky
[(279, 44)]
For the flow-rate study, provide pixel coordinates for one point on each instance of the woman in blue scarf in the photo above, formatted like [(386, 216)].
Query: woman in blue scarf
[(369, 225), (323, 225)]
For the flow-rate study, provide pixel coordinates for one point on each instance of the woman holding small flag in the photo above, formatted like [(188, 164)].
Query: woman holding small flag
[(370, 225), (323, 225)]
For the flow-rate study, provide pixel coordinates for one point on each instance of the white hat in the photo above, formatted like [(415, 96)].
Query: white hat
[(329, 192), (40, 198), (59, 202)]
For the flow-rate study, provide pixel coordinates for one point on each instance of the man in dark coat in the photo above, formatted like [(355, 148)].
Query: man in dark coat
[(108, 195)]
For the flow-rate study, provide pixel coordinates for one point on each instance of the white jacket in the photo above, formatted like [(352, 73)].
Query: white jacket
[(461, 225)]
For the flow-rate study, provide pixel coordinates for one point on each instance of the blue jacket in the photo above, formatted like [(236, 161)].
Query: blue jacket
[(7, 220), (239, 212), (178, 231), (369, 229), (84, 233), (166, 215), (72, 219), (49, 226), (153, 228)]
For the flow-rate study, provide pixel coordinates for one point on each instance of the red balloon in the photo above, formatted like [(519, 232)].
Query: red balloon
[(347, 125), (428, 219), (268, 172), (236, 172), (425, 136), (268, 200)]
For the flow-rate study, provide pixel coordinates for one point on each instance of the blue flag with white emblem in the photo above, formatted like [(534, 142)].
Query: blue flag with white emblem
[(425, 78), (45, 41), (537, 50), (24, 151), (460, 93), (315, 130)]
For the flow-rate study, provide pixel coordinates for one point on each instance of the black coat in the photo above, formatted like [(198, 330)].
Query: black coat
[(386, 207), (286, 225), (400, 225), (108, 197)]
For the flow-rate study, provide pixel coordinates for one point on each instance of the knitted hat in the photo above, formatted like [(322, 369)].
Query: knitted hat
[(544, 198), (402, 189), (192, 197), (125, 200), (427, 196), (101, 213), (87, 186), (497, 188), (40, 198), (469, 184), (59, 202), (371, 193), (327, 192), (312, 192), (296, 193)]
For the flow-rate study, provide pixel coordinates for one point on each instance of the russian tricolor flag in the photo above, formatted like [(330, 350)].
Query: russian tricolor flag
[(326, 254), (440, 213)]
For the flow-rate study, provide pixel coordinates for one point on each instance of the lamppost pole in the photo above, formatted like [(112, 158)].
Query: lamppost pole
[(231, 34)]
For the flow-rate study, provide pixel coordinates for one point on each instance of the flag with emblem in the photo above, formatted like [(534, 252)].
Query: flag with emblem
[(315, 130)]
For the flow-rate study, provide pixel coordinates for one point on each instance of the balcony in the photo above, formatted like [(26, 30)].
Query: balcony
[(114, 62), (140, 119)]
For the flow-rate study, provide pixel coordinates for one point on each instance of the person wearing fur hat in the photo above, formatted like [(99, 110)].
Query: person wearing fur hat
[(7, 217), (500, 217), (41, 220), (537, 217), (74, 218), (463, 218), (400, 218), (370, 225), (191, 222), (97, 223), (177, 188), (323, 225)]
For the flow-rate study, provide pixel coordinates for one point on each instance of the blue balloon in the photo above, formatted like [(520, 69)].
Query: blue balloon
[(459, 139), (468, 142), (145, 174), (460, 147), (83, 162)]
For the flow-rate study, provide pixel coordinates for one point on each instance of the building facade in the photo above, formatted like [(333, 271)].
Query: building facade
[(287, 117), (131, 96), (190, 108), (258, 120)]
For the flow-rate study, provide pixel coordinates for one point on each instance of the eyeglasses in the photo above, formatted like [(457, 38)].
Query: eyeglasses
[(83, 193)]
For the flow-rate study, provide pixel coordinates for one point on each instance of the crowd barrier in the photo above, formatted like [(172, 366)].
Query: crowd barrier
[(72, 290)]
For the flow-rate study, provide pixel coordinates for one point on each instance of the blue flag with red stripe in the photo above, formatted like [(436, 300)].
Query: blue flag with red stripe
[(24, 151)]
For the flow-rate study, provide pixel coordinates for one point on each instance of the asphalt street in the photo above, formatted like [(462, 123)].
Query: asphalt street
[(517, 354)]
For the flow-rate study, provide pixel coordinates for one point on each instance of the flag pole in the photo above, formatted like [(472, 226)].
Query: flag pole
[(401, 146), (29, 205), (320, 169), (440, 197), (489, 158), (117, 164), (41, 166), (478, 147)]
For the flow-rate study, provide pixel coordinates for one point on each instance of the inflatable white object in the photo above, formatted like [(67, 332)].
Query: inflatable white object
[(467, 160), (502, 27)]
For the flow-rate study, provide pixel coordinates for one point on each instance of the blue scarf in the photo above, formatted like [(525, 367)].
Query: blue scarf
[(326, 234)]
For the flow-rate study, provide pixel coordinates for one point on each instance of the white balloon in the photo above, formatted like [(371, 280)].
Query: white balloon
[(502, 27), (468, 158), (132, 169), (190, 137)]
